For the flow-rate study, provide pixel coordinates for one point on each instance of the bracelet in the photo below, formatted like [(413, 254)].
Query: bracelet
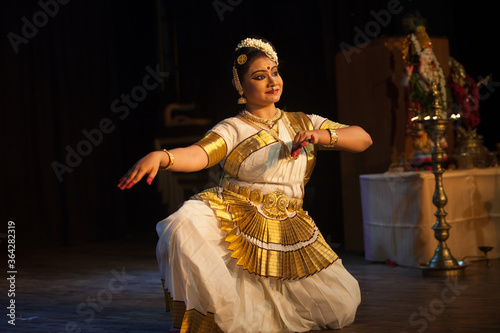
[(170, 162), (334, 137)]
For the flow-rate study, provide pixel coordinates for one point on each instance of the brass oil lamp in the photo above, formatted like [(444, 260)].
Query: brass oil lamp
[(442, 263)]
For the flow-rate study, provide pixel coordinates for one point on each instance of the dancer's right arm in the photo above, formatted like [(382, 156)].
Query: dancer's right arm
[(188, 159)]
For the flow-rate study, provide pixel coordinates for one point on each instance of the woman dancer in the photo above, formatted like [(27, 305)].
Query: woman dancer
[(245, 256)]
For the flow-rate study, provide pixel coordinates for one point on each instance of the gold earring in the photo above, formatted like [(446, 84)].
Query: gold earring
[(242, 100)]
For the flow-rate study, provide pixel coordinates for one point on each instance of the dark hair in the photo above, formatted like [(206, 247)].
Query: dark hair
[(251, 53)]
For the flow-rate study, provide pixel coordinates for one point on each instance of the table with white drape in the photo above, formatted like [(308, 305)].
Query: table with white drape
[(398, 214)]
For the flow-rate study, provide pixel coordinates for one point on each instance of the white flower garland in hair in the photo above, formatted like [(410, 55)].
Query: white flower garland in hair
[(259, 45), (442, 80)]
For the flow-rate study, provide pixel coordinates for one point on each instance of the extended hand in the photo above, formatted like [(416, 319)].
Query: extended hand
[(149, 165)]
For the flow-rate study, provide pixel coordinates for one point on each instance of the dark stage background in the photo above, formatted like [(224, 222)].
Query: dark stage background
[(67, 68)]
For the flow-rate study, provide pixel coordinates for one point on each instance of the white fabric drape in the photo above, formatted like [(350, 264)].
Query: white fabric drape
[(398, 214)]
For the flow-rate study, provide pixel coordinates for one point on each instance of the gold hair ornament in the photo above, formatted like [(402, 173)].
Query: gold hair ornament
[(242, 58), (259, 45)]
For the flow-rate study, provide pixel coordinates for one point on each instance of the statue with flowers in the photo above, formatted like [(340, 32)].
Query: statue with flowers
[(422, 69), (470, 150)]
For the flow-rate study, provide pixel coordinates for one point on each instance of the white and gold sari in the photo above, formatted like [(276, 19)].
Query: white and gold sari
[(245, 256)]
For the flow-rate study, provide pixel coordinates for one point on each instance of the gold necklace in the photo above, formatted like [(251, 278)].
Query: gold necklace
[(260, 122), (256, 120)]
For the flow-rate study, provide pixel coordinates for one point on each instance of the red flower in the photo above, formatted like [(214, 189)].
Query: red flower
[(467, 102)]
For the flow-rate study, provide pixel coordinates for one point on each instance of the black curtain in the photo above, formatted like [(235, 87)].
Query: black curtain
[(72, 83), (63, 64), (66, 145)]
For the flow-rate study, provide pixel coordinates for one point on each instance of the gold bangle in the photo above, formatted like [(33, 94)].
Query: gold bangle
[(171, 160), (334, 137)]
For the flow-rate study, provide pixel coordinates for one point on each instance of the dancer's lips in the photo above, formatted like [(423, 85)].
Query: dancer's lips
[(274, 91)]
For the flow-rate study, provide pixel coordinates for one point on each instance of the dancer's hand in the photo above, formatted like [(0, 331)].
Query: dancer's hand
[(149, 165), (302, 139)]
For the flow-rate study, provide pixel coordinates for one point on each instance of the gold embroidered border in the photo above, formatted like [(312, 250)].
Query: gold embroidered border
[(241, 220), (328, 124), (178, 308), (244, 149), (189, 320), (196, 322), (300, 122), (215, 147)]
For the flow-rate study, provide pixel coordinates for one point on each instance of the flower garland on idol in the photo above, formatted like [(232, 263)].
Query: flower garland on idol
[(438, 69)]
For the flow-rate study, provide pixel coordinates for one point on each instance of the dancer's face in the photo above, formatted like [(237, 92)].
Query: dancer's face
[(262, 83)]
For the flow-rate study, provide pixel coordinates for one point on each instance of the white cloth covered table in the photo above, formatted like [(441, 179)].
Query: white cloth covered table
[(398, 214)]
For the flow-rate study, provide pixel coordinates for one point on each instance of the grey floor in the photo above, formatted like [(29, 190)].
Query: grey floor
[(114, 287)]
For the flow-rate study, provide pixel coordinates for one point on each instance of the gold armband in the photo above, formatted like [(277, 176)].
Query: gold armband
[(215, 147), (171, 160)]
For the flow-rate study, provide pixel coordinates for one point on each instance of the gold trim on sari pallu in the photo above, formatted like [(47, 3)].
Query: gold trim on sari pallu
[(189, 320), (245, 149), (289, 248), (300, 122)]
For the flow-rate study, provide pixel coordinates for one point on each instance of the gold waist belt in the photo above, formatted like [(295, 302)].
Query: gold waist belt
[(274, 204)]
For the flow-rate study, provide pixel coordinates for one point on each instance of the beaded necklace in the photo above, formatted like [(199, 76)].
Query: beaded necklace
[(256, 120), (268, 125)]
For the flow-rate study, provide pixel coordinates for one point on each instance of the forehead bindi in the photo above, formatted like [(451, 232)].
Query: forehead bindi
[(259, 66), (263, 63)]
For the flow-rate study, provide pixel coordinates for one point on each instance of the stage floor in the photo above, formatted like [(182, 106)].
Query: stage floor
[(114, 287)]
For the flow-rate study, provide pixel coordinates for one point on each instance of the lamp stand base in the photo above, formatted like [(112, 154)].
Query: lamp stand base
[(452, 271)]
